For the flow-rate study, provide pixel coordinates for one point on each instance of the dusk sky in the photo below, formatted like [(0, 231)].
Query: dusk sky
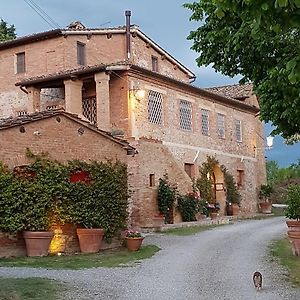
[(164, 21)]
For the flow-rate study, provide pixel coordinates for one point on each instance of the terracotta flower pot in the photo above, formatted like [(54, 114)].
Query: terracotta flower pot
[(232, 209), (265, 207), (293, 225), (90, 239), (294, 237), (134, 244), (37, 242), (213, 215), (200, 217)]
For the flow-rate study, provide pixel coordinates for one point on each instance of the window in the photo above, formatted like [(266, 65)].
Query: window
[(155, 107), (80, 53), (185, 115), (154, 63), (21, 62), (151, 180), (240, 178), (189, 169), (238, 130), (89, 109), (221, 125), (205, 121)]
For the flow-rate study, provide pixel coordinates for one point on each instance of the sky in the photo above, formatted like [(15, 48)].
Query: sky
[(164, 21)]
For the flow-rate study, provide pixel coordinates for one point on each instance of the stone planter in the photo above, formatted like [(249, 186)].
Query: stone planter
[(134, 244), (37, 242), (90, 239), (265, 207), (294, 237)]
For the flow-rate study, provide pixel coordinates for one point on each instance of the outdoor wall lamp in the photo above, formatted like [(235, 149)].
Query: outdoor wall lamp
[(138, 93), (269, 145)]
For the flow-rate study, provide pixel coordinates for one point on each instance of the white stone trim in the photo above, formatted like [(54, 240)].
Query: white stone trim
[(207, 150)]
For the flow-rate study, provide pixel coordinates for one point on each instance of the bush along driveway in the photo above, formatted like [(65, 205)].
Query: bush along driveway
[(213, 264)]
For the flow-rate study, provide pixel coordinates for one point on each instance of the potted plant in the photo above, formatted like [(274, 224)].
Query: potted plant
[(213, 209), (133, 239), (293, 212), (233, 197), (265, 192), (87, 215), (202, 211)]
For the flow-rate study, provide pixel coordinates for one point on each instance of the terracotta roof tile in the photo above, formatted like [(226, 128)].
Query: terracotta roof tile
[(236, 91), (67, 72), (25, 119)]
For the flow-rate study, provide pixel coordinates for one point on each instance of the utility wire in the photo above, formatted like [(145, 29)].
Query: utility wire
[(42, 14)]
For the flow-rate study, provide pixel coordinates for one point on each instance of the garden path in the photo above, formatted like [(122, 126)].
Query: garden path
[(214, 264)]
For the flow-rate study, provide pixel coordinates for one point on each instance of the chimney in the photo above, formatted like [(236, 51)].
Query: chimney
[(127, 15)]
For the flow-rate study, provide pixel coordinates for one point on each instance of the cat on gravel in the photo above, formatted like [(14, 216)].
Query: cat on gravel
[(257, 280)]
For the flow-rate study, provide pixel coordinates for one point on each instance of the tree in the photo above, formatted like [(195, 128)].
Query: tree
[(6, 32), (261, 41)]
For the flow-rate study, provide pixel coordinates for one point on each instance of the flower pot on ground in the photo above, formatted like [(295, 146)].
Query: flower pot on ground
[(265, 204), (134, 244), (265, 207), (134, 240), (90, 239), (200, 216), (232, 209), (158, 220), (294, 237), (213, 215), (293, 212), (37, 242)]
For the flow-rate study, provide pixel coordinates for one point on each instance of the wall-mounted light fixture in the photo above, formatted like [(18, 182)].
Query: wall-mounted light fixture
[(137, 92), (269, 145)]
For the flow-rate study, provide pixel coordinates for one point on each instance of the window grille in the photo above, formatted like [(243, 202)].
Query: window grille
[(155, 107), (154, 63), (22, 113), (185, 115), (221, 125), (205, 121), (89, 109), (21, 62), (80, 53), (238, 130)]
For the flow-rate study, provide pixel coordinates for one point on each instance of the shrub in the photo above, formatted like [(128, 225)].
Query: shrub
[(167, 194), (47, 196), (293, 201), (188, 207), (265, 192)]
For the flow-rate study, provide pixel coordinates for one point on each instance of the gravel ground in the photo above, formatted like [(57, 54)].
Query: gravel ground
[(214, 264)]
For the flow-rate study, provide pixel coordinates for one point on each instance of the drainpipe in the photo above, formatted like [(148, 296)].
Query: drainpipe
[(127, 15)]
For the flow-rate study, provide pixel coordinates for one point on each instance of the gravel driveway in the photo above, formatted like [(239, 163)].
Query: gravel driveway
[(214, 264)]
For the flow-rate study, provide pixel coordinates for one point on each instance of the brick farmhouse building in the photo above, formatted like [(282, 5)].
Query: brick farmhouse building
[(113, 93)]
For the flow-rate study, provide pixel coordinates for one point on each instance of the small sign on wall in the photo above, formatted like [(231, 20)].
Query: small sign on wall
[(219, 187)]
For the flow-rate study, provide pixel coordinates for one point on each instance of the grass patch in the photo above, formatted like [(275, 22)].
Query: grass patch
[(30, 288), (182, 231), (276, 212), (108, 258), (283, 251)]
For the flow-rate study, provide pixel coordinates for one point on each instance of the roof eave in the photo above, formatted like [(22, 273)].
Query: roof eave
[(30, 38), (205, 93)]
